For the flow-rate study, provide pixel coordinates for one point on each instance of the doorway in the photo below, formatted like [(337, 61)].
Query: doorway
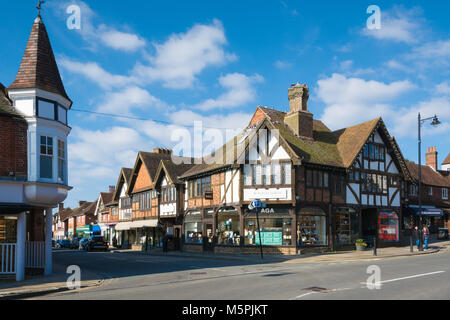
[(369, 224)]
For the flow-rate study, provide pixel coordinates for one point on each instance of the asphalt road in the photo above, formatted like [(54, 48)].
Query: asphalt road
[(137, 277)]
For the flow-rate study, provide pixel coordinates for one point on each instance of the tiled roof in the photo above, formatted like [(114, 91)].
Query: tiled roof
[(6, 107), (447, 160), (106, 197), (38, 68), (174, 171), (85, 208), (328, 148), (64, 214), (429, 176), (151, 161)]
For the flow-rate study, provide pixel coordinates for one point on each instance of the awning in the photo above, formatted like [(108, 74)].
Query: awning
[(426, 211), (122, 226), (144, 223)]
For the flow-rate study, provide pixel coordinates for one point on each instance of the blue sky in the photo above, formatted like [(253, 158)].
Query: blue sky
[(216, 61)]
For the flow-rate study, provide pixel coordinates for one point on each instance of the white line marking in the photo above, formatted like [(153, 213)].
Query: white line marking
[(404, 278)]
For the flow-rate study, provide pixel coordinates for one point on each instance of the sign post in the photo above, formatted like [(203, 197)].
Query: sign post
[(257, 205)]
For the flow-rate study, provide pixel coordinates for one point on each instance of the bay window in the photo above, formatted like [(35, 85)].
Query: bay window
[(61, 161), (46, 157)]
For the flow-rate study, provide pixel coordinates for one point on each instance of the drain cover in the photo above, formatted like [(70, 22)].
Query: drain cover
[(317, 289)]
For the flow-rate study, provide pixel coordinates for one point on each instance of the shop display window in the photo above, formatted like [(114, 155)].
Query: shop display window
[(228, 224), (193, 232), (347, 225), (274, 231), (388, 226), (311, 230)]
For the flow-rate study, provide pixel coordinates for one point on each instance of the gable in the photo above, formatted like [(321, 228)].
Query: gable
[(143, 180), (266, 145)]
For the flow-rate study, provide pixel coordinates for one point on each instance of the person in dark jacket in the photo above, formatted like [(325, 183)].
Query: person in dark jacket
[(416, 236)]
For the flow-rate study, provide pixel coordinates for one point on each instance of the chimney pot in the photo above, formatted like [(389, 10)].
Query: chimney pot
[(299, 119), (61, 206)]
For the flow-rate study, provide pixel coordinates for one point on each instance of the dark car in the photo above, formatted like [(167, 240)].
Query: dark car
[(82, 244), (97, 243), (75, 243), (62, 244)]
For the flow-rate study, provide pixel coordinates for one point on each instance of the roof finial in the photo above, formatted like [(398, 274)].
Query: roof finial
[(39, 7)]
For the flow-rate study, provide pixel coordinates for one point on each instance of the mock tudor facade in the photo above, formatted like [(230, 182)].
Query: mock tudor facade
[(323, 189)]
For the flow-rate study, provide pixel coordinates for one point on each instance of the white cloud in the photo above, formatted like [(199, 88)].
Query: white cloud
[(239, 91), (95, 73), (282, 64), (406, 122), (443, 88), (122, 41), (183, 56), (131, 97), (399, 25), (94, 35), (352, 100)]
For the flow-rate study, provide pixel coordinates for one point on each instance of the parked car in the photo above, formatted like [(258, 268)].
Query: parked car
[(97, 243), (83, 243), (75, 243), (62, 243)]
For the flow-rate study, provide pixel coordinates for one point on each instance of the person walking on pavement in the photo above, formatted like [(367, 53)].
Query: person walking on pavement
[(426, 236), (416, 236)]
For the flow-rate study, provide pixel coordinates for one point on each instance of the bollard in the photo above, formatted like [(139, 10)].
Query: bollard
[(375, 246)]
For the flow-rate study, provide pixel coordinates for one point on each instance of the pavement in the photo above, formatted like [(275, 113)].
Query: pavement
[(40, 285), (318, 257), (166, 265)]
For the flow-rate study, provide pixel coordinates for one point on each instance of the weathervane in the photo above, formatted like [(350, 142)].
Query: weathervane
[(39, 7)]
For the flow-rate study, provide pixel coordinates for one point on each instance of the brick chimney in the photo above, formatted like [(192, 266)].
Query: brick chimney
[(112, 189), (299, 119), (162, 151), (432, 158), (80, 203), (61, 207)]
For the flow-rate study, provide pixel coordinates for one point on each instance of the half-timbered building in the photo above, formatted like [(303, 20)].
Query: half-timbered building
[(321, 188)]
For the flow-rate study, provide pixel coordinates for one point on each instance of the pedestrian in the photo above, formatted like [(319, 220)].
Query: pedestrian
[(165, 244), (114, 240), (426, 236), (416, 236)]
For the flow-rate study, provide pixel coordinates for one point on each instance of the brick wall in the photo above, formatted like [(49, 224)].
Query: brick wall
[(13, 146)]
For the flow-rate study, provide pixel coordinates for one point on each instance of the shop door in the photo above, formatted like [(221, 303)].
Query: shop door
[(369, 224)]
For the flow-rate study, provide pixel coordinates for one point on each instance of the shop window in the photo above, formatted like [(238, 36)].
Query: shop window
[(274, 231), (347, 225), (388, 226), (193, 227), (228, 228), (311, 230)]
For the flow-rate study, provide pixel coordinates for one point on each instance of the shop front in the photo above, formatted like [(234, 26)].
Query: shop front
[(346, 226), (382, 225), (311, 229), (276, 230), (193, 232), (431, 216)]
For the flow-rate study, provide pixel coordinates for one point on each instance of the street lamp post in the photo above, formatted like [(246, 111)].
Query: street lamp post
[(435, 122)]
